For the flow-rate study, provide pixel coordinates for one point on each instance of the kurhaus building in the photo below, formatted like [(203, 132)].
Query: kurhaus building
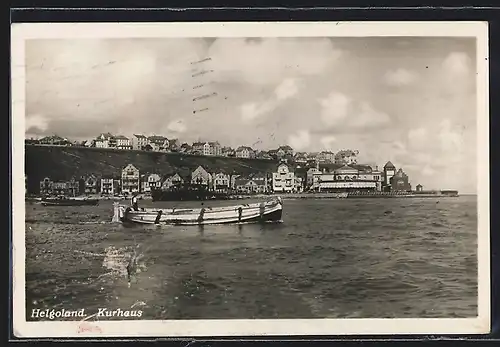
[(356, 177), (345, 178)]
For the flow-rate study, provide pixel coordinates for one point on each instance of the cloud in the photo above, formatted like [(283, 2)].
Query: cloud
[(267, 60), (300, 140), (451, 141), (399, 146), (253, 110), (400, 77), (417, 138), (395, 151), (287, 89), (327, 141), (444, 141), (368, 117), (177, 126), (335, 108), (36, 121), (339, 110), (457, 63), (428, 171), (421, 158), (454, 79)]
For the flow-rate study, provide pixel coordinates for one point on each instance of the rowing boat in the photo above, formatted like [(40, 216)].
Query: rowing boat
[(265, 211)]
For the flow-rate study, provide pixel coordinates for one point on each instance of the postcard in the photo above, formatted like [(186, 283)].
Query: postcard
[(240, 179)]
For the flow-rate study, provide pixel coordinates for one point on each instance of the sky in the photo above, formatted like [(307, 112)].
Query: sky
[(410, 100)]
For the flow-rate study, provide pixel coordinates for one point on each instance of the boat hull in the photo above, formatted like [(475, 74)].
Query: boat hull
[(264, 212)]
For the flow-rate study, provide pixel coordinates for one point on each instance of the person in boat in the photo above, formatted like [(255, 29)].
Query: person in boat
[(134, 203)]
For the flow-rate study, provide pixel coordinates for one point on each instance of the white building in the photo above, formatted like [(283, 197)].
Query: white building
[(208, 148), (139, 142), (108, 186), (172, 181), (326, 156), (298, 184), (222, 181), (283, 179), (123, 142), (159, 143), (200, 176), (154, 181), (300, 157), (150, 182), (130, 179), (244, 152), (202, 148), (215, 148), (105, 140), (310, 175), (389, 172), (346, 157)]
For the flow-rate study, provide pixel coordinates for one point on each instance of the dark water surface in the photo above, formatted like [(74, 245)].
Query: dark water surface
[(362, 258)]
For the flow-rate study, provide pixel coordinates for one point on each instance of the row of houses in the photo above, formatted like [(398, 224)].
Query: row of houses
[(132, 181), (157, 143), (215, 181), (285, 179)]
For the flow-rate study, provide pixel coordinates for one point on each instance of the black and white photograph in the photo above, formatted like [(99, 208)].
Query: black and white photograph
[(235, 179)]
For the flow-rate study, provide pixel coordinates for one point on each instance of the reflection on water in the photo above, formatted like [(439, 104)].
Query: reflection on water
[(329, 258)]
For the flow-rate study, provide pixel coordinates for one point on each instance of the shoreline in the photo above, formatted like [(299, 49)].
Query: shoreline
[(288, 196), (350, 196)]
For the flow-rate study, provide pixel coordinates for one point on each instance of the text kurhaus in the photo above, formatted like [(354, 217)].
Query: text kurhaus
[(52, 314), (104, 312)]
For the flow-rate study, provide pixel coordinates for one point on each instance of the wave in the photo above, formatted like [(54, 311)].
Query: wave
[(66, 222)]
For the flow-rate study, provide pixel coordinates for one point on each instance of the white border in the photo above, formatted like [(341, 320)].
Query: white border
[(264, 327)]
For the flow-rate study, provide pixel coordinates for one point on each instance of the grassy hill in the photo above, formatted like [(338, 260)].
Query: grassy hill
[(62, 163)]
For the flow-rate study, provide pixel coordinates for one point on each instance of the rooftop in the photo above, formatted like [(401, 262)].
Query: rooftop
[(241, 148), (389, 165)]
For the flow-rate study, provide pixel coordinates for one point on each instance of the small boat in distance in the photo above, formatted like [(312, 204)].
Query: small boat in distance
[(69, 201), (263, 212), (32, 199)]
